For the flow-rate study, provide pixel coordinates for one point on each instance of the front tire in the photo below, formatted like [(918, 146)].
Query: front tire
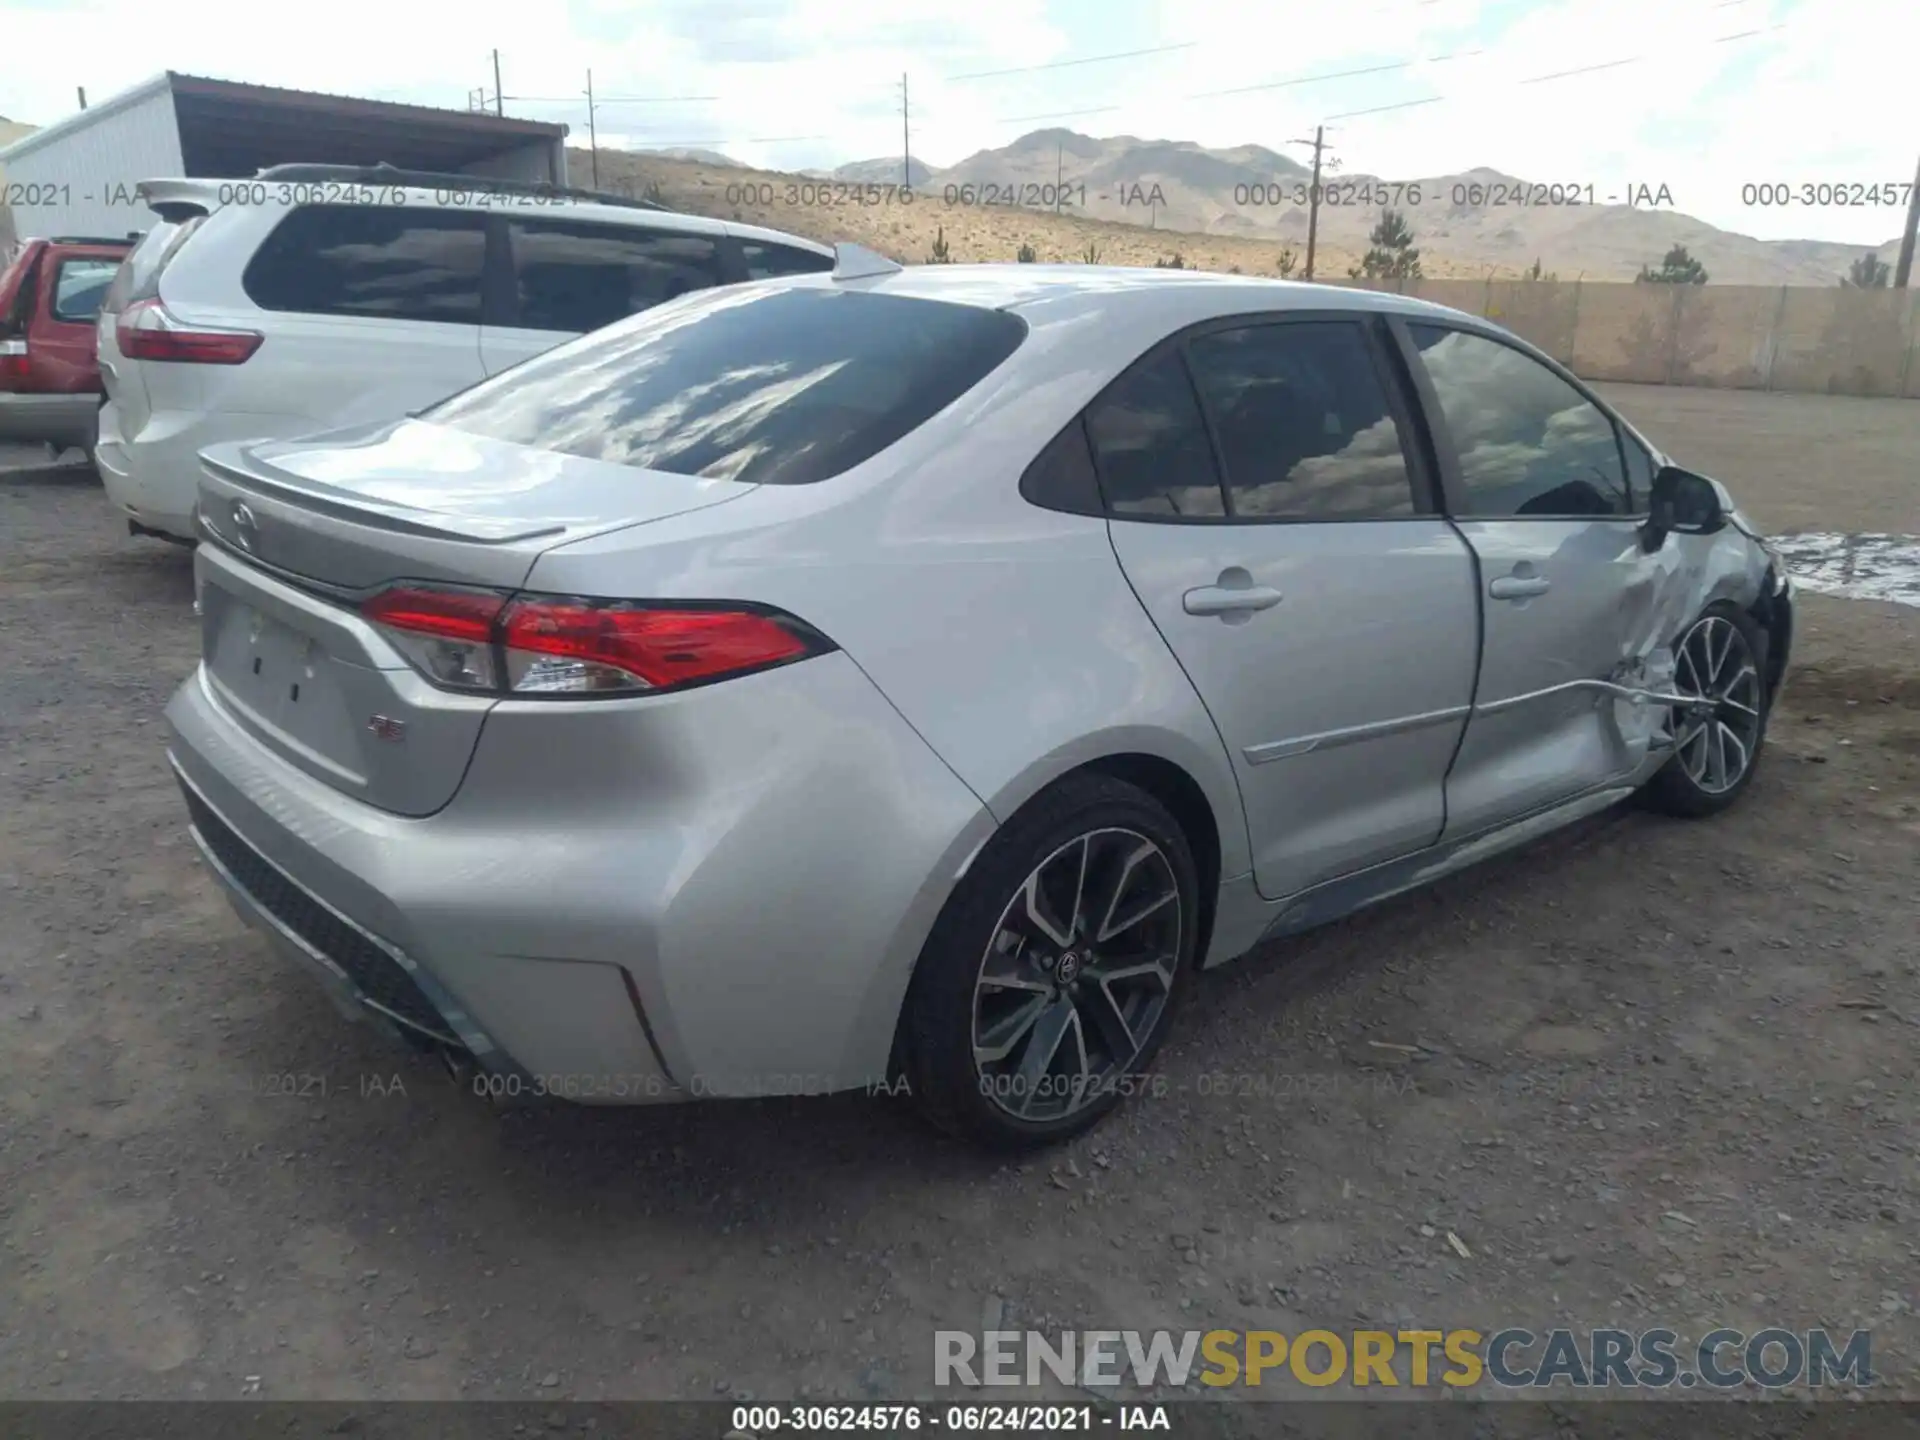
[(1717, 740), (1051, 976)]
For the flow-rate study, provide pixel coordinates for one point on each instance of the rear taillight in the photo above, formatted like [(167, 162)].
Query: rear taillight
[(549, 645), (147, 331), (13, 362)]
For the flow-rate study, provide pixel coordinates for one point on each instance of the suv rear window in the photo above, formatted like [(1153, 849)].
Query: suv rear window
[(379, 262), (780, 387)]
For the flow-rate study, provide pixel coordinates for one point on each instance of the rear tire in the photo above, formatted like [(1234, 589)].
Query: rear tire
[(1053, 972), (1720, 657)]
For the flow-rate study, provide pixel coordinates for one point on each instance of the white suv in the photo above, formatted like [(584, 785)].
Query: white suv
[(315, 297)]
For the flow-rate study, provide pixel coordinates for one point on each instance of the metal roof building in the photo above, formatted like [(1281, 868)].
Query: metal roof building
[(76, 176)]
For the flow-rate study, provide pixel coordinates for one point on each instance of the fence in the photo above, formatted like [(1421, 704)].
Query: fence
[(1834, 341)]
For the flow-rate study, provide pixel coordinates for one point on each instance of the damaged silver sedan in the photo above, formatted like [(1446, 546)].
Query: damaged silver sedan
[(908, 678)]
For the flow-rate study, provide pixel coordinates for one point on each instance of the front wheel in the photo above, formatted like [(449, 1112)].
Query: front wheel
[(1717, 736), (1051, 976)]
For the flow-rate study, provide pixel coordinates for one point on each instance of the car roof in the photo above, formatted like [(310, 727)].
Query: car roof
[(527, 205), (1044, 294)]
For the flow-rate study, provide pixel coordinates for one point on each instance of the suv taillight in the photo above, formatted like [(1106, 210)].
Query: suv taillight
[(551, 645), (147, 331)]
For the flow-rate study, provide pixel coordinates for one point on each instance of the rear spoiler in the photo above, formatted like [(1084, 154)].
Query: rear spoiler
[(177, 200)]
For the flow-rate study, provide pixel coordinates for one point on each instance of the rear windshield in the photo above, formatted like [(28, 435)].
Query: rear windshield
[(774, 387), (138, 277)]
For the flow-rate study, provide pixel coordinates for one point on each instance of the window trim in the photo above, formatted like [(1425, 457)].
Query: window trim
[(1422, 489), (1453, 488)]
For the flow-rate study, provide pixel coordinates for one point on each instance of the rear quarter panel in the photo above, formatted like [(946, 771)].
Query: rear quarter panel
[(1006, 635)]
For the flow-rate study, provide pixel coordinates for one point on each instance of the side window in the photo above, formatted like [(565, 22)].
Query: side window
[(79, 286), (1150, 444), (1061, 476), (1639, 472), (1302, 422), (1529, 443), (375, 261), (765, 260), (579, 277)]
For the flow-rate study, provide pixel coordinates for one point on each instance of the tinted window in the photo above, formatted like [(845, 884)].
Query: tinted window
[(79, 286), (138, 277), (1061, 476), (1529, 443), (580, 277), (1151, 445), (1302, 422), (764, 260), (779, 387), (382, 262)]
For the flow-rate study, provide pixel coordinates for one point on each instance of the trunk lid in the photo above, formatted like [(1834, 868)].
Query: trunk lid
[(304, 529)]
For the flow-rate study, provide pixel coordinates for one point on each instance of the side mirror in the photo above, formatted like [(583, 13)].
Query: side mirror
[(1683, 503)]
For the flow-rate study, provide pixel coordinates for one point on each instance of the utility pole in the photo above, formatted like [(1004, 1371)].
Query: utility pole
[(1319, 143), (499, 100), (906, 139), (1059, 171), (83, 96), (593, 134), (1905, 268)]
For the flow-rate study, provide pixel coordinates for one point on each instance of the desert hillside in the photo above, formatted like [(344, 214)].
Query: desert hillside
[(1144, 200)]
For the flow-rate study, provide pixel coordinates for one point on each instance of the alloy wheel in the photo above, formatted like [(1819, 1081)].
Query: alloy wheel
[(1717, 735), (1077, 975)]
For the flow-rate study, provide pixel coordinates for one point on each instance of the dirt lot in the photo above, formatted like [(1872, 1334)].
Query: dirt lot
[(1648, 1073)]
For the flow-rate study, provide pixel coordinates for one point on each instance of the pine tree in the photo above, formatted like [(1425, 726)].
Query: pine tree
[(1677, 268), (1869, 272), (1390, 254)]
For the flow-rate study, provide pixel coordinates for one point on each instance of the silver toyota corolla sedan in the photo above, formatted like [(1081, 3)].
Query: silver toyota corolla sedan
[(908, 677)]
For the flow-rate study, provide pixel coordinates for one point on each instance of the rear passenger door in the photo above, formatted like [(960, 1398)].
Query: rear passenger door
[(559, 278), (376, 312), (1271, 509)]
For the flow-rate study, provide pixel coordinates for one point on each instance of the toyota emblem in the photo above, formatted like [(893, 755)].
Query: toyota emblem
[(246, 529)]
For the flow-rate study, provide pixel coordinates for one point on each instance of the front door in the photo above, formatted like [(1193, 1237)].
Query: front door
[(1265, 511), (1537, 481)]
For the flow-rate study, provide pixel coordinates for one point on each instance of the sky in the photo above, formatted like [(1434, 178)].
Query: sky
[(1704, 97)]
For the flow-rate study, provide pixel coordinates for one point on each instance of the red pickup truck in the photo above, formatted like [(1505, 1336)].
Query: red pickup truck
[(50, 292)]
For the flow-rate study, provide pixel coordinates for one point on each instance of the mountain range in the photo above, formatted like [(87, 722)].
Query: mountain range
[(1480, 218)]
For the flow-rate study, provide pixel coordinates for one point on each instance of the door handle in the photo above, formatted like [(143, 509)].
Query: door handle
[(1519, 587), (1229, 600)]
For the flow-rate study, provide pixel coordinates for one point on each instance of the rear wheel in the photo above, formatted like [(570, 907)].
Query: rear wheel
[(1717, 736), (1051, 976)]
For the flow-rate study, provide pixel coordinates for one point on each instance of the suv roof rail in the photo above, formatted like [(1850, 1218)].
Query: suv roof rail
[(385, 174), (125, 239)]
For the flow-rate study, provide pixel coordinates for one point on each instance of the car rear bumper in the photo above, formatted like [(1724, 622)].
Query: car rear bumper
[(65, 421), (732, 907), (154, 477)]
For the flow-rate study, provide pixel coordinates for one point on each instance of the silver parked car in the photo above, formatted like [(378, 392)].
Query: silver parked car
[(916, 674)]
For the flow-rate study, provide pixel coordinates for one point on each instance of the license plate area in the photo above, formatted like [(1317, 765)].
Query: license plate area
[(283, 682)]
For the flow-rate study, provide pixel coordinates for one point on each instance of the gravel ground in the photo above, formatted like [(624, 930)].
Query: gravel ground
[(1647, 1073)]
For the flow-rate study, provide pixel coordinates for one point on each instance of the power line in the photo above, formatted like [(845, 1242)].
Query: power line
[(1556, 74), (1085, 60), (1164, 49), (1332, 75)]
